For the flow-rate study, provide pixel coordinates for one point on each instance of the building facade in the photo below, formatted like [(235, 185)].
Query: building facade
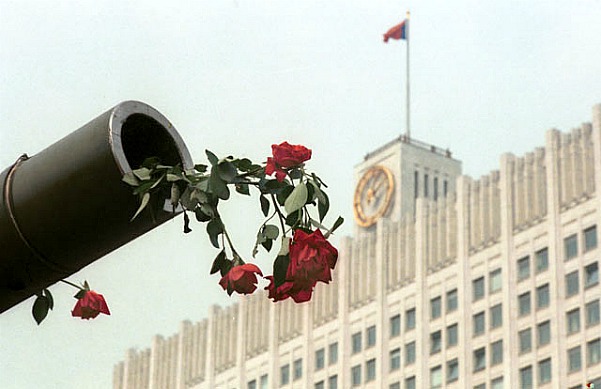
[(447, 282)]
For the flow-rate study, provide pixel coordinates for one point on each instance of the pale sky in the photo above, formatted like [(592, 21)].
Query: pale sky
[(235, 76)]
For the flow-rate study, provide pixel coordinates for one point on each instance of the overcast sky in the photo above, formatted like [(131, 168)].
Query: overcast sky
[(488, 77)]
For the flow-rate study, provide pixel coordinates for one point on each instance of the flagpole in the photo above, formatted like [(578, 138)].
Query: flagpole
[(408, 112)]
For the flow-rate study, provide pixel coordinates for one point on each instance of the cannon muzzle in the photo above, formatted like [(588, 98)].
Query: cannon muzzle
[(67, 206)]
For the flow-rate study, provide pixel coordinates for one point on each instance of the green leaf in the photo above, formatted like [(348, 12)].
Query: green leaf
[(86, 286), (264, 205), (295, 174), (198, 195), (130, 179), (337, 224), (280, 268), (157, 182), (293, 218), (323, 206), (275, 184), (212, 158), (214, 229), (173, 177), (227, 171), (151, 162), (186, 199), (270, 231), (48, 295), (201, 216), (267, 244), (200, 168), (217, 185), (143, 204), (142, 173), (187, 228), (220, 259), (243, 164), (296, 199), (283, 194), (243, 189), (80, 293), (40, 308)]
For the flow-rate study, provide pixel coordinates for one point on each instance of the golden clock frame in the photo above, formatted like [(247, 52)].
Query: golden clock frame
[(365, 189)]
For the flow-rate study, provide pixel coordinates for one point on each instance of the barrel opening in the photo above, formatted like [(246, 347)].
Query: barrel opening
[(143, 137)]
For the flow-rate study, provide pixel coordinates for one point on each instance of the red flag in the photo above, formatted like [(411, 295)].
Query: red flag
[(397, 32)]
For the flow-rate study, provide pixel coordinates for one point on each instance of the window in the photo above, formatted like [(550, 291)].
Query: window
[(479, 359), (570, 247), (435, 342), (264, 381), (572, 285), (452, 370), (410, 353), (333, 382), (395, 359), (523, 268), (544, 371), (395, 326), (526, 377), (445, 188), (593, 354), (320, 385), (544, 333), (436, 377), (435, 188), (542, 260), (298, 369), (370, 370), (356, 342), (252, 384), (574, 359), (426, 185), (396, 385), (410, 383), (496, 352), (591, 275), (415, 184), (524, 303), (356, 375), (410, 319), (284, 374), (573, 321), (496, 316), (435, 307), (590, 238), (479, 323), (542, 296), (592, 313), (333, 353), (452, 301), (478, 288), (494, 284), (371, 336), (481, 386), (320, 359), (452, 335), (525, 340), (496, 383)]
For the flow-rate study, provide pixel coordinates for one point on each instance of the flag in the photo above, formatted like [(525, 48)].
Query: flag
[(397, 32)]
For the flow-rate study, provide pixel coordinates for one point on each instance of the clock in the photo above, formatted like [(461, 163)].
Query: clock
[(373, 195)]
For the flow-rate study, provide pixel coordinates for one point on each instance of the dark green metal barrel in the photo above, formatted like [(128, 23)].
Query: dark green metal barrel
[(66, 206)]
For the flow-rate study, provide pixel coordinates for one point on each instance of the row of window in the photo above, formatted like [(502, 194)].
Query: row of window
[(590, 278), (570, 244), (592, 317), (357, 339), (542, 300), (445, 187), (370, 373), (395, 322), (320, 356), (452, 304), (263, 382), (495, 318), (494, 285), (541, 264), (544, 368)]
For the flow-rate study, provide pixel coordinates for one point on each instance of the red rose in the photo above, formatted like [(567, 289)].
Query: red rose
[(311, 258), (286, 156), (299, 293), (241, 279), (90, 306)]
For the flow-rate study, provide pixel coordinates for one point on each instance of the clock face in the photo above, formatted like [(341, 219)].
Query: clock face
[(373, 195)]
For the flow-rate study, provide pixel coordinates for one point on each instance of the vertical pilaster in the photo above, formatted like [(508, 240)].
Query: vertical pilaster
[(421, 271)]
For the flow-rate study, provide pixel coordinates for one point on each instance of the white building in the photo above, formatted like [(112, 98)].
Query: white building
[(447, 282)]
